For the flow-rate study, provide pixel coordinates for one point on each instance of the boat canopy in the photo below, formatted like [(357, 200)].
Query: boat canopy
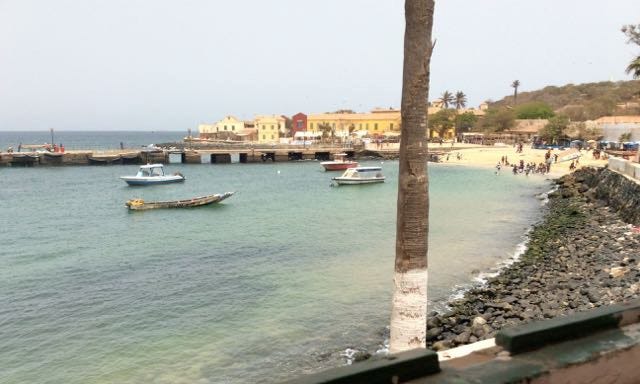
[(151, 170), (367, 169)]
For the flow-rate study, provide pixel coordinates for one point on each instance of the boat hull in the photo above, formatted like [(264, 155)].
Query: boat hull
[(338, 165), (134, 180), (140, 205), (352, 181)]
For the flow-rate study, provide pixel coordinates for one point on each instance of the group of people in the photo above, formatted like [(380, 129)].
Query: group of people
[(522, 167)]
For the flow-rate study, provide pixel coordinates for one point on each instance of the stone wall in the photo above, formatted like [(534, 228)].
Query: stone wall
[(614, 189)]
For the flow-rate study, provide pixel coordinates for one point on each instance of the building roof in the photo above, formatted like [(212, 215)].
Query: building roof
[(355, 116)]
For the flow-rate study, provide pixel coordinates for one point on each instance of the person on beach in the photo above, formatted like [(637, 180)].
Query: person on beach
[(498, 166)]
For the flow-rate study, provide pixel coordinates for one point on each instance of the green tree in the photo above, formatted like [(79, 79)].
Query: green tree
[(447, 99), (633, 33), (465, 121), (515, 85), (534, 110), (408, 324), (497, 120), (326, 129), (442, 121), (555, 129), (460, 100), (624, 137)]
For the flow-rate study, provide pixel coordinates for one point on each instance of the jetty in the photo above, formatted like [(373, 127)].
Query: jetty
[(196, 155)]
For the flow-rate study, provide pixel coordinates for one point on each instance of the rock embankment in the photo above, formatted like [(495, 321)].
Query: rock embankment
[(582, 256)]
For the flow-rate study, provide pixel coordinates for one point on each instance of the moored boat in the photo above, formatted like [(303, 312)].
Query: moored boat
[(152, 174), (339, 163), (360, 175), (140, 205)]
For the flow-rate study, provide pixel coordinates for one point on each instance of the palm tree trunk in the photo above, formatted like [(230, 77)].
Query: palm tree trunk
[(409, 307)]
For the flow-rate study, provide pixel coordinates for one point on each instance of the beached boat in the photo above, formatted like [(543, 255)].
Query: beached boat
[(360, 175), (140, 205), (152, 174), (569, 155), (339, 163)]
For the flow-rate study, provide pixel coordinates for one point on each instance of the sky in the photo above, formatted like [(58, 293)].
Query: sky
[(168, 65)]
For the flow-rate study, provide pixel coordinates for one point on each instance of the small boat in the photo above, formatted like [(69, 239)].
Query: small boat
[(569, 155), (339, 163), (104, 159), (152, 174), (140, 205), (360, 175)]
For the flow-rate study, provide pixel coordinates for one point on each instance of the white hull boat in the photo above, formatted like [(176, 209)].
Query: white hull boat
[(152, 174), (360, 175)]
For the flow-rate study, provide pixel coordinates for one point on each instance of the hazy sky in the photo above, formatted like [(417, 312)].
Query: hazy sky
[(169, 65)]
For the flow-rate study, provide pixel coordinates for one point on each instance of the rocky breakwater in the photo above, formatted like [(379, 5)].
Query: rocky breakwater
[(581, 256)]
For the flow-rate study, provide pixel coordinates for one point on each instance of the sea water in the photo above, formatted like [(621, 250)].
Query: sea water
[(256, 289)]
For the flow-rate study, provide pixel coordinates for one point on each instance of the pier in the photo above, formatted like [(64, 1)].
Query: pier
[(185, 156)]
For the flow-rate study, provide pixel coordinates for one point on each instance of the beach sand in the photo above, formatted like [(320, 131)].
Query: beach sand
[(484, 156)]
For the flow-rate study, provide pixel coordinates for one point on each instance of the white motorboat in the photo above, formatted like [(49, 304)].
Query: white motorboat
[(360, 175), (152, 174)]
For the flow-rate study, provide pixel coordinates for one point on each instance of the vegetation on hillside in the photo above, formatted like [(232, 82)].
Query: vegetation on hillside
[(584, 101)]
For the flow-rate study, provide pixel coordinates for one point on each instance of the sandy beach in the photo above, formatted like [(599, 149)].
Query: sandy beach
[(479, 155)]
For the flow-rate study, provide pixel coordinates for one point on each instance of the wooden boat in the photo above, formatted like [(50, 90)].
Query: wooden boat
[(152, 174), (360, 175), (104, 160), (339, 163), (139, 204)]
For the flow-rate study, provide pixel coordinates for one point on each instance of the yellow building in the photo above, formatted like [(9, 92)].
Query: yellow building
[(269, 127), (205, 130), (378, 121), (230, 124)]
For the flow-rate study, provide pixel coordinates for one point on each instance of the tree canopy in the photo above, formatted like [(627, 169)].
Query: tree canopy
[(442, 121), (555, 129), (465, 121), (534, 110), (497, 120), (633, 33)]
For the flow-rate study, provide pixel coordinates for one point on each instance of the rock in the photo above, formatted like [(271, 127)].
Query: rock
[(361, 356), (434, 322), (463, 338), (616, 272), (478, 322), (433, 333), (442, 345)]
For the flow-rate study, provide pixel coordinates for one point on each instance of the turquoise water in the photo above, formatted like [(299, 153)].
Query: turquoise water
[(252, 290)]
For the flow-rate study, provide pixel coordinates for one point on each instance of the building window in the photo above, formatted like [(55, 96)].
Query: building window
[(360, 126), (390, 126), (272, 127), (272, 137), (233, 127), (311, 125), (225, 127), (264, 137), (299, 124), (367, 126), (375, 126)]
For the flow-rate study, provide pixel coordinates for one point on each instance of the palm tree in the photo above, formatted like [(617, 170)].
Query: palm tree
[(460, 100), (447, 98), (409, 307), (633, 33), (634, 68), (515, 85)]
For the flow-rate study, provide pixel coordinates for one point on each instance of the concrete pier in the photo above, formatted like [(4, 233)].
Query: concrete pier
[(247, 154)]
